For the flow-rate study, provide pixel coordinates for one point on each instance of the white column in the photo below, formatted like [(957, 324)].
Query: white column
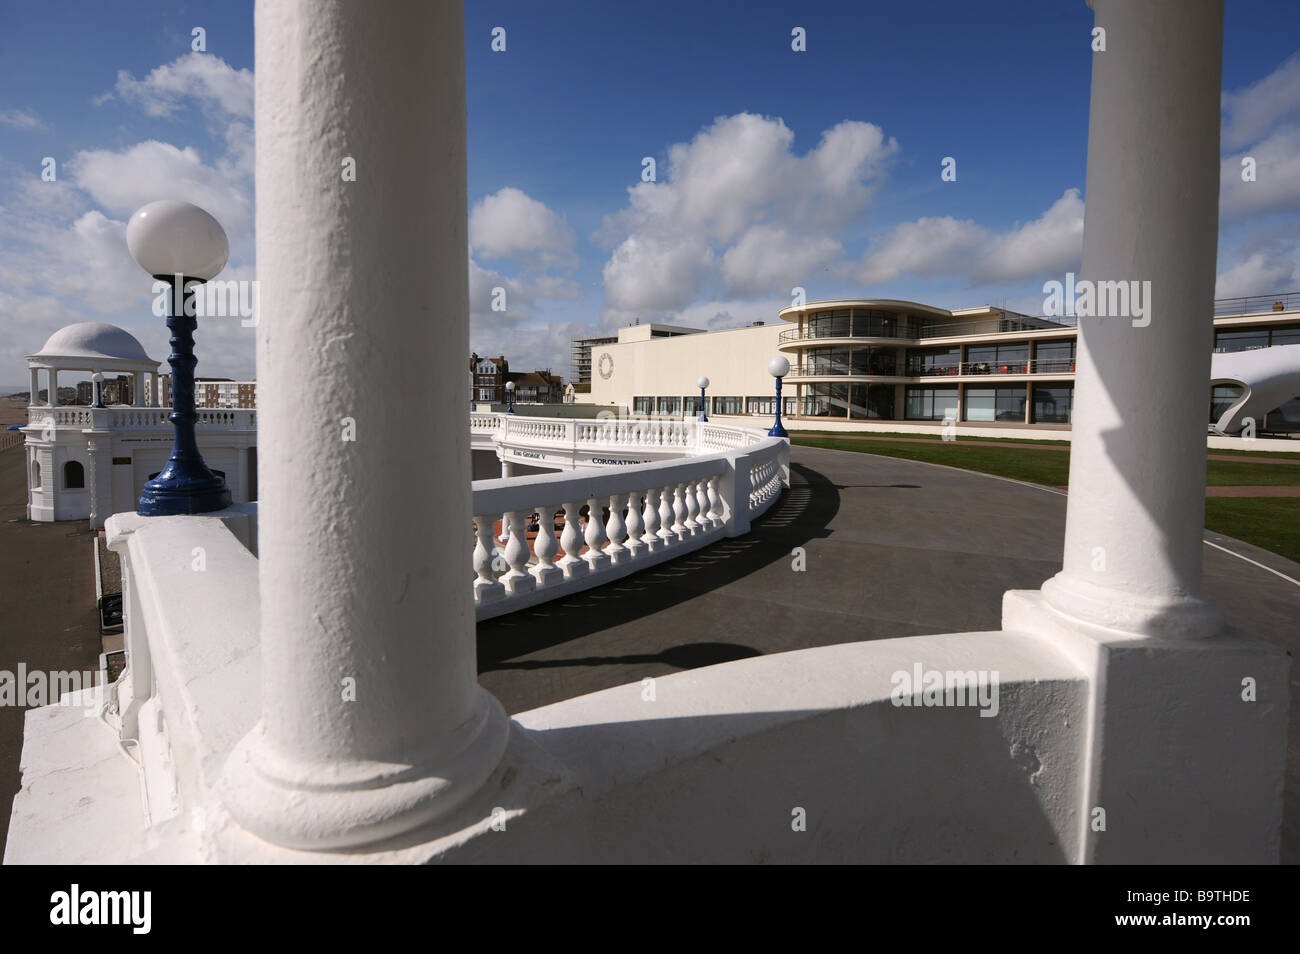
[(99, 449), (35, 386), (52, 382), (376, 615), (507, 468), (1137, 472), (137, 389)]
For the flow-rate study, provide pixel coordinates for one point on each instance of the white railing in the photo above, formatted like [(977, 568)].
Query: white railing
[(538, 538), (137, 418)]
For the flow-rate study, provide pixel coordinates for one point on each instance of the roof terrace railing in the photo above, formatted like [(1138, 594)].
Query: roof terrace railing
[(1256, 304)]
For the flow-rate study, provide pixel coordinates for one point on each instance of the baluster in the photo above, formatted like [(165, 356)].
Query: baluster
[(546, 546), (692, 509), (518, 579), (702, 504), (715, 502), (666, 516), (650, 517), (595, 535), (486, 587), (615, 530), (679, 513), (634, 544), (571, 564)]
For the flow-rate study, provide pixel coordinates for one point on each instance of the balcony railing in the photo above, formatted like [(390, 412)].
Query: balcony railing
[(137, 418), (1256, 304), (966, 368), (922, 331)]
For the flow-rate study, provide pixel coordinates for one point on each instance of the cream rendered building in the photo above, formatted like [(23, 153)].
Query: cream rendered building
[(918, 366)]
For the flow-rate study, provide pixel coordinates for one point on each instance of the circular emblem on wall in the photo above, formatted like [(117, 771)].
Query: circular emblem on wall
[(606, 365)]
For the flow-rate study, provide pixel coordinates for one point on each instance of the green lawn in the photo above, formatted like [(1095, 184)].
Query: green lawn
[(1269, 522)]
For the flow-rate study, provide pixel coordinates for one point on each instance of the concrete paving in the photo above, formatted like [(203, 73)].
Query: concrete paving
[(893, 547), (48, 621)]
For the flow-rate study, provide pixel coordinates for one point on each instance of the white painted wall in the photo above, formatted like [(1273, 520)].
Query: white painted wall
[(735, 362)]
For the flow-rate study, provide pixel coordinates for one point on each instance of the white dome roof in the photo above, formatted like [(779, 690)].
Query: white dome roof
[(93, 341)]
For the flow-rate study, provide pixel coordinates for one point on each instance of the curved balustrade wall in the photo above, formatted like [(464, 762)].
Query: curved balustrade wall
[(538, 538)]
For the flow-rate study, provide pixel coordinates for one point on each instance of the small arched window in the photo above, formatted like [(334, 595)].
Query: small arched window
[(74, 475), (36, 475)]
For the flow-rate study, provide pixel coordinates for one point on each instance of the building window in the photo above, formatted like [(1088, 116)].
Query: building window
[(829, 324), (872, 401), (995, 404), (1286, 335), (691, 407), (728, 405), (826, 400), (36, 475), (1052, 405), (827, 361), (1054, 357), (930, 404), (873, 323), (1222, 397), (485, 394), (873, 361), (998, 358), (643, 405), (1241, 340), (74, 476), (922, 362), (670, 406)]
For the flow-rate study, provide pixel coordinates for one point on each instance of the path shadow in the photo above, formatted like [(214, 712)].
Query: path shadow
[(686, 656), (804, 512)]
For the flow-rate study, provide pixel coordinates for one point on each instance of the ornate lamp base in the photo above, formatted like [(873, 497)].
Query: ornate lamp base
[(181, 492)]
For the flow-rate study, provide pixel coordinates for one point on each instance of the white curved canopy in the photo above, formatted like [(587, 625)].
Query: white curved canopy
[(93, 346)]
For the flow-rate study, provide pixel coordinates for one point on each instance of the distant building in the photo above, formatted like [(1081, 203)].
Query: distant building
[(538, 387), (488, 384), (582, 346)]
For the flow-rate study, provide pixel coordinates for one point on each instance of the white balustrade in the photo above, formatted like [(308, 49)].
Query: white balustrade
[(656, 511)]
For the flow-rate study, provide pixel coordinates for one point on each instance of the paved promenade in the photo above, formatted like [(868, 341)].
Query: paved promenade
[(893, 547), (47, 606)]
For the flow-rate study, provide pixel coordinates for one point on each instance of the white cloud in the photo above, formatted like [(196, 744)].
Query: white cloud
[(727, 201), (23, 119), (944, 246), (511, 224), (1251, 112), (1276, 187), (770, 258), (208, 79), (123, 181), (1260, 273), (1053, 242)]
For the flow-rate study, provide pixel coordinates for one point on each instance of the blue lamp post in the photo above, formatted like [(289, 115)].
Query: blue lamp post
[(510, 397), (778, 367), (703, 383), (182, 245)]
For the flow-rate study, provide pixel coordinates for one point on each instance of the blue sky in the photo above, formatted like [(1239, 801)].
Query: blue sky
[(773, 168)]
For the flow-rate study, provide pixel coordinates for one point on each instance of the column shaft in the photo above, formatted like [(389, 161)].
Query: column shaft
[(372, 718), (1133, 539)]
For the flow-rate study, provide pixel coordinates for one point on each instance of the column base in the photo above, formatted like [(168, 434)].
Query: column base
[(1172, 618), (323, 805), (1185, 751)]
